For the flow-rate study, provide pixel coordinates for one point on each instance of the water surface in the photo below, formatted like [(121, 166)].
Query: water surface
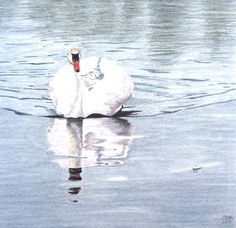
[(168, 161)]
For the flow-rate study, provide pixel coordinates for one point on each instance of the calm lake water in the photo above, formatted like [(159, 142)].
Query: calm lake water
[(168, 161)]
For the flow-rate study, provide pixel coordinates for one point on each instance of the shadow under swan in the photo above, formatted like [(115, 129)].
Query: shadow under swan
[(79, 143)]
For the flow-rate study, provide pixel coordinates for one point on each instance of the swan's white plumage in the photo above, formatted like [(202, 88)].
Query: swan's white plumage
[(101, 87)]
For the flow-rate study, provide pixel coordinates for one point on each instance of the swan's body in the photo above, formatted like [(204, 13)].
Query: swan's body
[(100, 87)]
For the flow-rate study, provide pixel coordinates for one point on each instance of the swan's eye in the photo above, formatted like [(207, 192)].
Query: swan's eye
[(75, 57)]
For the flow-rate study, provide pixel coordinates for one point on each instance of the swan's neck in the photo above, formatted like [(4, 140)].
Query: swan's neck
[(79, 95), (76, 96)]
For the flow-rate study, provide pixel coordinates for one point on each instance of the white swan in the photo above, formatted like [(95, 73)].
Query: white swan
[(90, 86)]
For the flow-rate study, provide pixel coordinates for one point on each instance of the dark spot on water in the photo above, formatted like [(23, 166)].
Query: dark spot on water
[(195, 94), (181, 106), (169, 53), (130, 48), (4, 61), (214, 103), (213, 94), (35, 89), (43, 63), (31, 56), (17, 112), (13, 97), (196, 168), (224, 83), (115, 51), (10, 90), (74, 190), (194, 80), (41, 106), (52, 55), (32, 98), (153, 71), (21, 61), (170, 112), (197, 61)]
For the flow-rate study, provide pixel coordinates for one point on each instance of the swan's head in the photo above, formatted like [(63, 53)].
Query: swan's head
[(74, 58)]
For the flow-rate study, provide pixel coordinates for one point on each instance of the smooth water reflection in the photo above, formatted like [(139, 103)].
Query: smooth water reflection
[(89, 142), (81, 143)]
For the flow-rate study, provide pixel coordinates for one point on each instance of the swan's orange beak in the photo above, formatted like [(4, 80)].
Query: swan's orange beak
[(75, 61), (76, 66)]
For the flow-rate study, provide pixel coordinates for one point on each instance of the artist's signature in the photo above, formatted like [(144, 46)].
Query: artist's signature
[(227, 219)]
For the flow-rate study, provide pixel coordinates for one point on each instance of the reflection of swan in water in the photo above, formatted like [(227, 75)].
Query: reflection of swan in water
[(89, 142)]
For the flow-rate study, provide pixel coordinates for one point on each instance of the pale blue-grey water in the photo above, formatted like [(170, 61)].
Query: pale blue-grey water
[(169, 159)]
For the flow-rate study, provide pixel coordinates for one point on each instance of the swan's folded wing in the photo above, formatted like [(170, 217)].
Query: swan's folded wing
[(110, 93)]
